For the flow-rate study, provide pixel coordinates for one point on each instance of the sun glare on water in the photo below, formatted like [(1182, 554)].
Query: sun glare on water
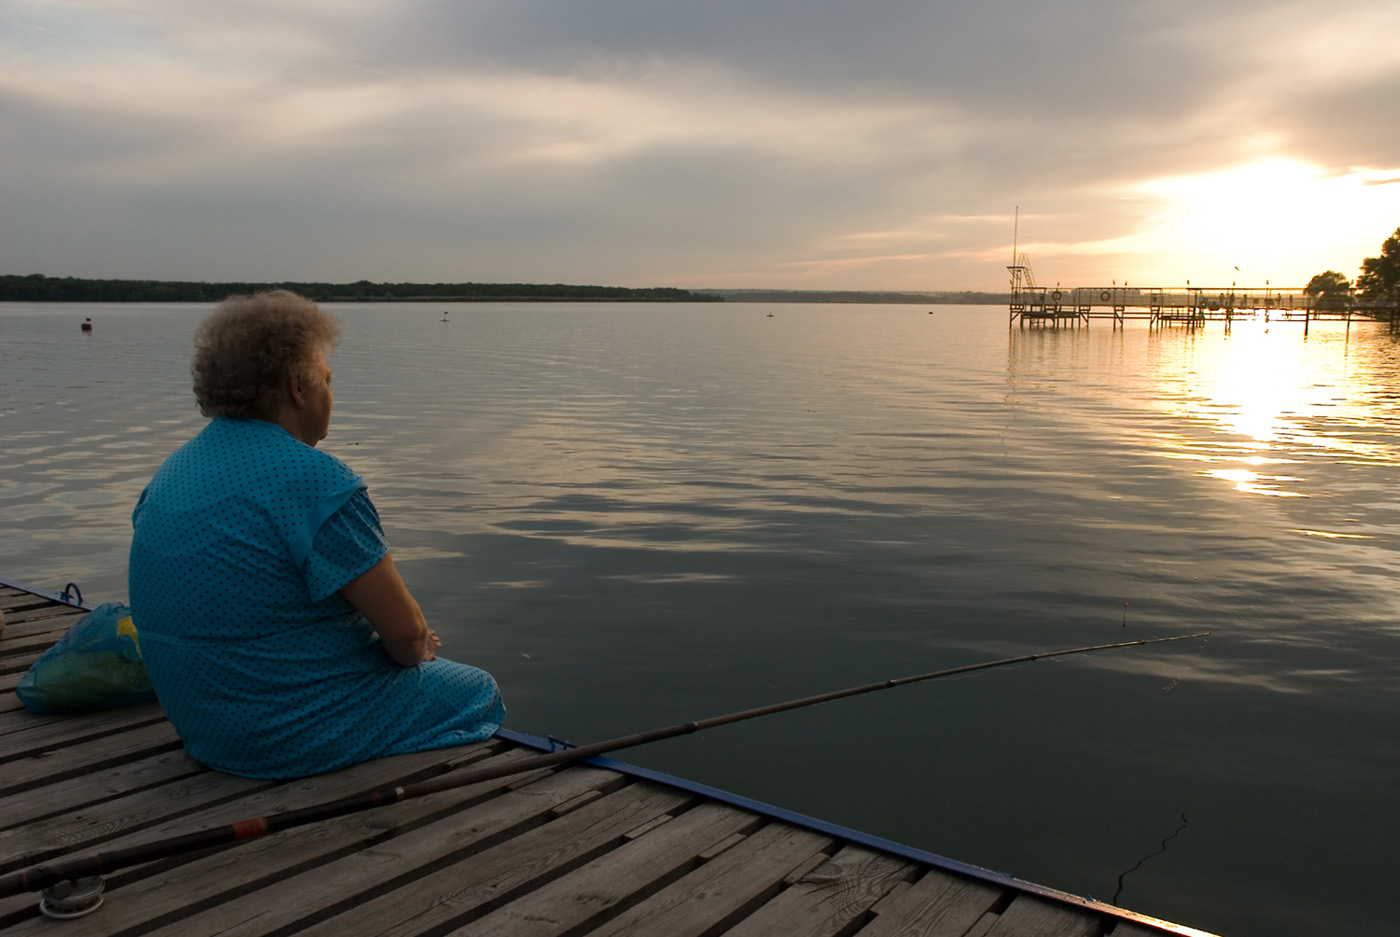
[(1268, 397), (1256, 390)]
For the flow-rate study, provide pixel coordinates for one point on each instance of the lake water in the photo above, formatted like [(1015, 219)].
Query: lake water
[(636, 515)]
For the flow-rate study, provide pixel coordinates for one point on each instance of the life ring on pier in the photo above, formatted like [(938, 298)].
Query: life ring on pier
[(1055, 295), (1105, 296)]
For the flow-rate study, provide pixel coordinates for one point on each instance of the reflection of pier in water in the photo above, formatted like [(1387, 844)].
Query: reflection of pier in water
[(1189, 305)]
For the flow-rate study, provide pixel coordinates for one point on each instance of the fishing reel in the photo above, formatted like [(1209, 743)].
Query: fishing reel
[(71, 899)]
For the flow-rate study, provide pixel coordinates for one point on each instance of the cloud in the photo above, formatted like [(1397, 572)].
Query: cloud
[(709, 143)]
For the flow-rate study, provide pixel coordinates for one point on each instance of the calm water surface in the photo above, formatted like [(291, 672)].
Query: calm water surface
[(637, 515)]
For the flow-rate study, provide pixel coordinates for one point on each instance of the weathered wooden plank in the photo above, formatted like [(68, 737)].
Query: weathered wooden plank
[(829, 899), (478, 883), (42, 635), (60, 616), (85, 828), (31, 646), (59, 762), (38, 611), (720, 891), (182, 885), (20, 659), (14, 644), (302, 792), (17, 720), (25, 733), (937, 905), (14, 666), (96, 787), (12, 600), (641, 865), (985, 924), (386, 862), (1028, 916), (48, 626)]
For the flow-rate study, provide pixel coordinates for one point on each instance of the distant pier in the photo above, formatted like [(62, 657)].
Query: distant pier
[(1165, 306), (1188, 305)]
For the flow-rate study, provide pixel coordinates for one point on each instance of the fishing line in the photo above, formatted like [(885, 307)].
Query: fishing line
[(94, 865), (1160, 850)]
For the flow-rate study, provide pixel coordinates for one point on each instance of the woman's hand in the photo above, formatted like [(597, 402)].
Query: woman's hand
[(380, 595)]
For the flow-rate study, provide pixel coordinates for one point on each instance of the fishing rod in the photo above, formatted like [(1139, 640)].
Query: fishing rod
[(97, 864)]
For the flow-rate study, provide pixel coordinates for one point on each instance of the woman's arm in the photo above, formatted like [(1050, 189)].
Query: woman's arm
[(380, 595)]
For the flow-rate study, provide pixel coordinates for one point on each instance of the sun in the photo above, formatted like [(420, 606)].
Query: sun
[(1280, 219)]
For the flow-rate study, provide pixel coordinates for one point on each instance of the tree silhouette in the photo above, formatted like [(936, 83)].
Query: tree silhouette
[(1380, 276), (1329, 290)]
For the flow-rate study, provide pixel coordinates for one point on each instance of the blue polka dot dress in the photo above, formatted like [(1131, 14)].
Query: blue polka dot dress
[(242, 541)]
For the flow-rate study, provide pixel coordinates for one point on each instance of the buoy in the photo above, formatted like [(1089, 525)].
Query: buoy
[(1105, 296), (1055, 295), (87, 325)]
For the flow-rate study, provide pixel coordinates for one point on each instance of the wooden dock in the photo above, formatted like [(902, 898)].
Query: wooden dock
[(598, 848), (1191, 306)]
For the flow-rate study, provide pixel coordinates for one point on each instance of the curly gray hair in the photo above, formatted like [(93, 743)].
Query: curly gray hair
[(250, 345)]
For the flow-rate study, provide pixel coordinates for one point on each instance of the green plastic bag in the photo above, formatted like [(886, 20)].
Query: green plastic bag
[(95, 665)]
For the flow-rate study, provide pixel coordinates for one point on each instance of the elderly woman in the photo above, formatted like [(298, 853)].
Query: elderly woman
[(277, 632)]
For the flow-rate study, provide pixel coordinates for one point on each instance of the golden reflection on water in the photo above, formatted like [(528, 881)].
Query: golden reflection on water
[(1331, 535), (1272, 398), (1260, 413), (1254, 483)]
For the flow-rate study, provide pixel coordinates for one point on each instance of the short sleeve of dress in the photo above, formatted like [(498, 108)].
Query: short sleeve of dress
[(349, 542)]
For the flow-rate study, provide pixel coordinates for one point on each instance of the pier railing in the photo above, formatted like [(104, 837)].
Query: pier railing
[(1189, 305)]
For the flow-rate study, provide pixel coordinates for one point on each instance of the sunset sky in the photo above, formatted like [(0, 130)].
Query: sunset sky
[(879, 145)]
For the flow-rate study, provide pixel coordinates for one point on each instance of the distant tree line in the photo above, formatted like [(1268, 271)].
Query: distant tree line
[(38, 288), (963, 297)]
